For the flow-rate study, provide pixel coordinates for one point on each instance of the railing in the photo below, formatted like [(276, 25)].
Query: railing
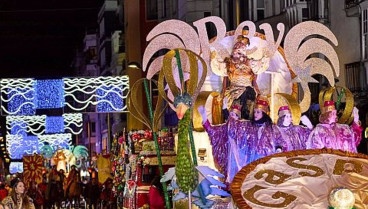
[(351, 3)]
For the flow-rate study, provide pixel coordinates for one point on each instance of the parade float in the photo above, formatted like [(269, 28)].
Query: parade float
[(244, 70)]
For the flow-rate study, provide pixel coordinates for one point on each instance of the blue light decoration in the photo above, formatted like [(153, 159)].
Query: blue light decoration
[(21, 101), (18, 145), (14, 146), (110, 98), (49, 94), (16, 167), (55, 124), (19, 128), (100, 94), (30, 145)]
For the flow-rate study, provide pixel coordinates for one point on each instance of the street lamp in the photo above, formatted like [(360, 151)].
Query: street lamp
[(134, 65)]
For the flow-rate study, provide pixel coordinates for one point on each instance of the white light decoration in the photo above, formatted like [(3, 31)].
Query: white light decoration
[(99, 94), (16, 167), (96, 92), (17, 96), (56, 140), (73, 119), (36, 125)]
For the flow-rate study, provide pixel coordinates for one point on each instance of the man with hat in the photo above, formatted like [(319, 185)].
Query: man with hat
[(332, 135)]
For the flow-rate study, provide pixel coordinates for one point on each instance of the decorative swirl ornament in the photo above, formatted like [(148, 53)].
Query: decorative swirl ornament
[(298, 48), (138, 112), (327, 94), (169, 34)]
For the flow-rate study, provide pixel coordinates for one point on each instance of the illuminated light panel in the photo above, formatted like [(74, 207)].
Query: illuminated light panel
[(16, 167), (73, 122), (41, 124), (18, 145), (50, 94), (113, 95), (35, 125), (19, 96), (30, 144), (96, 91), (56, 140), (18, 127), (101, 94), (54, 124)]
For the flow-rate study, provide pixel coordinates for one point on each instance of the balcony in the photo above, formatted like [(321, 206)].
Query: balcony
[(351, 3), (352, 8)]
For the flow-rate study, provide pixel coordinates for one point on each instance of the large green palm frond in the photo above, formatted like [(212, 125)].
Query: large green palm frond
[(47, 151), (80, 151)]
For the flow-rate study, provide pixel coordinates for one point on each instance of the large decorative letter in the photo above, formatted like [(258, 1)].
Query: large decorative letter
[(281, 177), (251, 29), (291, 162), (347, 166), (272, 47), (203, 37), (249, 195)]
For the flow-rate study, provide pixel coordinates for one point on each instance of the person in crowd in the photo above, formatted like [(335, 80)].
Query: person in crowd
[(3, 206), (73, 188), (3, 191), (41, 191), (52, 192), (107, 195), (93, 193), (18, 199), (32, 193), (156, 194)]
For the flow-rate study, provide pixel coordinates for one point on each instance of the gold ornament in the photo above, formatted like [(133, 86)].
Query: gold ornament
[(138, 112), (326, 95)]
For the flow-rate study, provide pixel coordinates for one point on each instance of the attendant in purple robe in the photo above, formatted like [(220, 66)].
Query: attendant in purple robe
[(330, 134), (239, 142), (294, 136)]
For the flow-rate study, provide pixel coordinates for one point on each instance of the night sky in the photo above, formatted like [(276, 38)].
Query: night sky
[(38, 38)]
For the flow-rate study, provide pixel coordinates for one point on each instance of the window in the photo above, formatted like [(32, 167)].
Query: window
[(102, 27), (305, 14), (364, 33), (260, 10), (93, 128), (103, 57), (351, 3), (165, 6), (151, 10), (355, 77)]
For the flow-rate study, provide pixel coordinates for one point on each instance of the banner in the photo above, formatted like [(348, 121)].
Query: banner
[(301, 179), (104, 168), (32, 168)]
